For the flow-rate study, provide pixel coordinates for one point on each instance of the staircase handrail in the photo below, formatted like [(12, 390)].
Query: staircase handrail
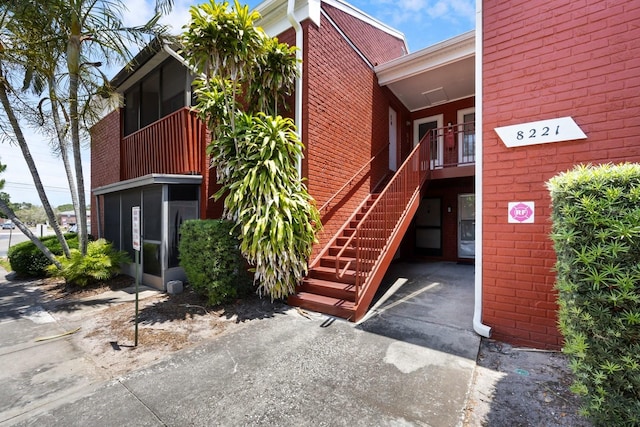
[(421, 155), (350, 180)]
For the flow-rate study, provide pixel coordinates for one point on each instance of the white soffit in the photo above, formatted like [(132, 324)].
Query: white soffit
[(436, 96), (429, 58)]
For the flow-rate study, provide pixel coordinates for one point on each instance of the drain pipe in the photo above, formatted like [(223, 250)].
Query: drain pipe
[(299, 55), (478, 326)]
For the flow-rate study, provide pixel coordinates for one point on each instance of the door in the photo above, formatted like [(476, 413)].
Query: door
[(393, 139), (421, 127), (466, 226), (429, 227)]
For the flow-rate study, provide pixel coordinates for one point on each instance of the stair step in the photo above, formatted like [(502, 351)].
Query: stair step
[(374, 222), (350, 252), (329, 274), (347, 232), (326, 288), (329, 261), (323, 304), (375, 242)]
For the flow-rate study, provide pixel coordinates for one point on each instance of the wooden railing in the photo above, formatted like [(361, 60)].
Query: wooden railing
[(381, 222), (175, 144)]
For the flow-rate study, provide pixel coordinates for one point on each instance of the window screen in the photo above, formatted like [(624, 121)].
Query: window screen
[(152, 213)]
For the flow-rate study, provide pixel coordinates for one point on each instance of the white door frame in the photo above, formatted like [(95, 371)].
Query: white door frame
[(393, 139), (460, 219), (439, 119)]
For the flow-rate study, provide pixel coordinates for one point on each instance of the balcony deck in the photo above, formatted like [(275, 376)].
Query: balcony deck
[(175, 144)]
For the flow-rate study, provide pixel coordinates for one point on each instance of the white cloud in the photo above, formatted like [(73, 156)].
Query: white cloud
[(179, 15), (438, 10), (137, 12)]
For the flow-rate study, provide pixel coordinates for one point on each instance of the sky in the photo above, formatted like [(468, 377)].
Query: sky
[(423, 22)]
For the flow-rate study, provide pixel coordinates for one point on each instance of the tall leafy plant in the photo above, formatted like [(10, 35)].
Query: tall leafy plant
[(245, 75), (596, 235)]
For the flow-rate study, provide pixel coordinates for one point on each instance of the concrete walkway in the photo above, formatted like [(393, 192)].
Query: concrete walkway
[(411, 362)]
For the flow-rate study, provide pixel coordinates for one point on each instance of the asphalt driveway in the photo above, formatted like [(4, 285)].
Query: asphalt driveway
[(399, 367)]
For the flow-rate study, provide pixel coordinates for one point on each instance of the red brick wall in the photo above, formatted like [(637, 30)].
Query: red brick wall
[(376, 45), (345, 121), (105, 158), (542, 60)]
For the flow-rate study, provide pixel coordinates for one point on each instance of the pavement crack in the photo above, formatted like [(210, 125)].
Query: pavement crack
[(151, 411), (235, 364)]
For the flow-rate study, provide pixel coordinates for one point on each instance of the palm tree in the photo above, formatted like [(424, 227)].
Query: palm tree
[(67, 40)]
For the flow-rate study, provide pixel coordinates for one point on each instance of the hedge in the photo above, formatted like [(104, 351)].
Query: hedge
[(27, 260), (211, 259), (596, 235)]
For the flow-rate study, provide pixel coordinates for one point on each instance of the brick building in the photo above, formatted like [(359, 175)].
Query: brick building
[(543, 60), (401, 152)]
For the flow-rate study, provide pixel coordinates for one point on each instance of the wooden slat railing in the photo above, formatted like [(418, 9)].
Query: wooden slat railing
[(175, 144), (383, 218)]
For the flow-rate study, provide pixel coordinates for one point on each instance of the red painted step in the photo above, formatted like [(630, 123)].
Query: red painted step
[(345, 291), (323, 304)]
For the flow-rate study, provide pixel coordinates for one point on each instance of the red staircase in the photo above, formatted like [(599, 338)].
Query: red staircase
[(345, 276)]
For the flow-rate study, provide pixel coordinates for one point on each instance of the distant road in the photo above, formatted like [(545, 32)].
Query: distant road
[(16, 237)]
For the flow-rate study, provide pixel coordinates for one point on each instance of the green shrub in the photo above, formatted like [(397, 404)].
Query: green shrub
[(27, 260), (596, 234), (212, 261), (100, 263)]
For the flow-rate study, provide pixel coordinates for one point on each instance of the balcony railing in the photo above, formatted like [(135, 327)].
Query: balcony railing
[(453, 145), (175, 144)]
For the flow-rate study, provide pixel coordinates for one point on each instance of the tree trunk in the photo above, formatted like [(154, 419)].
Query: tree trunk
[(63, 145), (73, 65), (4, 99)]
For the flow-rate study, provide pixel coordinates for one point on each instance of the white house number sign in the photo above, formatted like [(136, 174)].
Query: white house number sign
[(540, 132)]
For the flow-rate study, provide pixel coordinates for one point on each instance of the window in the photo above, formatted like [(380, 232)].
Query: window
[(159, 93), (150, 99), (467, 135)]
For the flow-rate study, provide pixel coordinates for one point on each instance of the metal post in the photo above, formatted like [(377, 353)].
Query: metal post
[(137, 291)]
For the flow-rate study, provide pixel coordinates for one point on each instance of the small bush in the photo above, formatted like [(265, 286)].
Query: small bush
[(212, 261), (596, 234), (100, 263), (27, 260)]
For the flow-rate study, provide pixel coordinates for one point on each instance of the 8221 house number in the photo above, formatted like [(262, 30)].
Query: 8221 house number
[(540, 132), (533, 132)]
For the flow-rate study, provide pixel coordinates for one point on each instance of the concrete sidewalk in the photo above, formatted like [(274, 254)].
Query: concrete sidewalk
[(405, 365)]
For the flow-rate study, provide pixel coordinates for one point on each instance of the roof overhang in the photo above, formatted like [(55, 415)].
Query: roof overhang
[(147, 180), (438, 74), (274, 19)]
